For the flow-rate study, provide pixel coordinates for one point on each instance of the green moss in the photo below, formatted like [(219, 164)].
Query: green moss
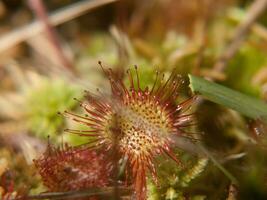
[(174, 180), (43, 104), (152, 192), (193, 172), (171, 194)]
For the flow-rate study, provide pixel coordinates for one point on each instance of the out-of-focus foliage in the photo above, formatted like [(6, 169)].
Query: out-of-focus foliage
[(43, 104), (245, 65)]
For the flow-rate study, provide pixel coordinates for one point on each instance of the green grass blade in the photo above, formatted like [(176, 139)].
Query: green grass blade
[(249, 106)]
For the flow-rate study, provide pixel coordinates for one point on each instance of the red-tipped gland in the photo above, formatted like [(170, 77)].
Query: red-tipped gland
[(139, 123)]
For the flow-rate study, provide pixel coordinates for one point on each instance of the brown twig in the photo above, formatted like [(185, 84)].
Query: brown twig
[(58, 17), (254, 11), (77, 194), (39, 9), (256, 28)]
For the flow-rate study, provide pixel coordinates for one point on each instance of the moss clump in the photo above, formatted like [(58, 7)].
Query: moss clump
[(43, 104)]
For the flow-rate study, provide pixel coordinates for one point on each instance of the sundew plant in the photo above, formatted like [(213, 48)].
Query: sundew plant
[(133, 100)]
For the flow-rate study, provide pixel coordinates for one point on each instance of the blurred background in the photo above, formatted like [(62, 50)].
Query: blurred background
[(49, 53)]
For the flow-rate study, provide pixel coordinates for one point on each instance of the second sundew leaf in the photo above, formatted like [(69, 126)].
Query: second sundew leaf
[(249, 106)]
